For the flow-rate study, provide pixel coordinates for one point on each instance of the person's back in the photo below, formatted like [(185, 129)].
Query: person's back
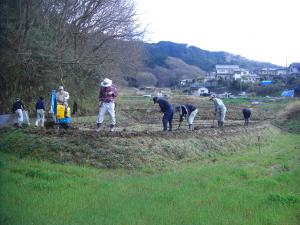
[(40, 104), (18, 105), (246, 114), (218, 103), (40, 112), (167, 109), (164, 105)]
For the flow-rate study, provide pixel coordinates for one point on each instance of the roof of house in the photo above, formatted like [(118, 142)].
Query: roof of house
[(295, 64), (227, 67)]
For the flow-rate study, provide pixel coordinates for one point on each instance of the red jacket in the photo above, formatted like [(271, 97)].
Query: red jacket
[(108, 94)]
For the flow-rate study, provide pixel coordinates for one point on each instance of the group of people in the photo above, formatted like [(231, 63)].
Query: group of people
[(189, 112), (108, 93), (62, 98)]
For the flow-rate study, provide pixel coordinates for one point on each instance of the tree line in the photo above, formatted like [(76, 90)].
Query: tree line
[(76, 43)]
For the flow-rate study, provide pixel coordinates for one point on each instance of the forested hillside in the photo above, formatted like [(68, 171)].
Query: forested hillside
[(157, 53), (75, 43)]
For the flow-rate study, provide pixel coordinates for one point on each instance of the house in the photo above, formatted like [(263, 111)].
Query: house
[(294, 69), (202, 91), (268, 72), (185, 82), (281, 72), (226, 72), (250, 78), (230, 72)]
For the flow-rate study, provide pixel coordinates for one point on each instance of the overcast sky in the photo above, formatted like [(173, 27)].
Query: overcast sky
[(263, 30)]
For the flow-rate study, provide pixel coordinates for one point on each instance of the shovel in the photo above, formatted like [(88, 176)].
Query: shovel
[(179, 125), (213, 125)]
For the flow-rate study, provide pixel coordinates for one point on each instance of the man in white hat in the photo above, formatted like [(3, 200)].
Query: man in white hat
[(62, 98), (107, 95), (220, 110)]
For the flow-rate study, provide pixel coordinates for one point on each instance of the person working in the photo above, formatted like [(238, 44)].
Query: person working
[(219, 110), (18, 108), (167, 110), (107, 95), (40, 112), (187, 111)]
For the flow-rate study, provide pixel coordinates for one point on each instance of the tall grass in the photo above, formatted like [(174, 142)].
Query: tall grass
[(245, 188)]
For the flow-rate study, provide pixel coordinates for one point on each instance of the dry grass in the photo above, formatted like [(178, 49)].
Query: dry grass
[(290, 112)]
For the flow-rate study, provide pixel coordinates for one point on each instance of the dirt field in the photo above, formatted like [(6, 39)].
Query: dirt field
[(139, 141)]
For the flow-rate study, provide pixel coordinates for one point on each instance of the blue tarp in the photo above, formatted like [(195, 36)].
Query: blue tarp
[(288, 93), (265, 82)]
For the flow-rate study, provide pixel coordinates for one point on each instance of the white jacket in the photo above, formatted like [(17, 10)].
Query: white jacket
[(62, 97), (219, 105)]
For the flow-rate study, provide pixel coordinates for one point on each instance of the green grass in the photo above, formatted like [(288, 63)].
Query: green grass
[(244, 188), (292, 125)]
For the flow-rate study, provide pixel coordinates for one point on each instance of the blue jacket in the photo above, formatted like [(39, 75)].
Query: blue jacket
[(40, 104), (164, 105)]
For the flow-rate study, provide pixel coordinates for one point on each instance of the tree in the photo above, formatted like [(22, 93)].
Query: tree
[(72, 42), (146, 79)]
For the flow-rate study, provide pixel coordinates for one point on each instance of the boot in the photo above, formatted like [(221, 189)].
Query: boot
[(170, 127), (219, 124), (98, 127), (191, 127), (222, 125), (36, 123), (112, 128)]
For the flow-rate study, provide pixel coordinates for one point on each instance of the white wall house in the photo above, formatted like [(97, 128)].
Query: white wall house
[(230, 72), (250, 78), (199, 91)]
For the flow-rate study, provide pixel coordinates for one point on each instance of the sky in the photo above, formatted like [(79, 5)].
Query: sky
[(262, 30)]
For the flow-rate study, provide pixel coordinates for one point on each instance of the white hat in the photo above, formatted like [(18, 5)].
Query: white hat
[(106, 83), (60, 88)]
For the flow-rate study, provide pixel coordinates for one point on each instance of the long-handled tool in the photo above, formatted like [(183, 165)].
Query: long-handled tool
[(179, 125), (213, 125)]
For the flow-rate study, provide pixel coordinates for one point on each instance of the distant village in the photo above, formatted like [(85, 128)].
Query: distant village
[(227, 74)]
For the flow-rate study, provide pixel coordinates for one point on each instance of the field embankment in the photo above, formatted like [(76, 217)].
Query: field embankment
[(249, 187)]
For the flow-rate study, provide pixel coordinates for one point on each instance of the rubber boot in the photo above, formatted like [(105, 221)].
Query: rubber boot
[(191, 127), (112, 128), (98, 127), (36, 123), (170, 126)]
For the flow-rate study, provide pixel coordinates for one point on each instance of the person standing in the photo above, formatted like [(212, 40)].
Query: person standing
[(247, 115), (108, 93), (187, 111), (167, 110), (18, 108), (40, 112), (62, 98), (219, 110)]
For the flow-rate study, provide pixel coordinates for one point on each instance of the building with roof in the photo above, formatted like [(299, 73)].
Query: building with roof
[(294, 69)]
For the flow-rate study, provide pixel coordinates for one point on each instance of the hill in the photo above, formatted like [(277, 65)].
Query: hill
[(157, 55)]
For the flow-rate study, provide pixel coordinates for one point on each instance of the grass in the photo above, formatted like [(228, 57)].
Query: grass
[(244, 188)]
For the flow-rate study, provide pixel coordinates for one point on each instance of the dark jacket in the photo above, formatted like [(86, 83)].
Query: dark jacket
[(186, 110), (164, 105), (18, 105), (40, 104), (247, 113)]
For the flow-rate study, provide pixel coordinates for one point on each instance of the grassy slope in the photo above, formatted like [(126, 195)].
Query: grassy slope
[(245, 188)]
